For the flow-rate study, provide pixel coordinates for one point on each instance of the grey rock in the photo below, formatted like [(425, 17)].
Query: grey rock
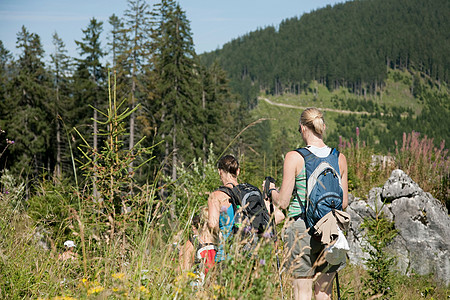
[(399, 185), (422, 245)]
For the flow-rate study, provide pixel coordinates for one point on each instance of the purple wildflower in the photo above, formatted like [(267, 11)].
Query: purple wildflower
[(247, 229), (266, 235), (262, 262)]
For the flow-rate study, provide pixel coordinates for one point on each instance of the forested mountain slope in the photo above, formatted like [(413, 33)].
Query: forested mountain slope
[(348, 45)]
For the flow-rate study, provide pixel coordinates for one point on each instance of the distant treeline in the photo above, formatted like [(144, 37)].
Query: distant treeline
[(349, 45)]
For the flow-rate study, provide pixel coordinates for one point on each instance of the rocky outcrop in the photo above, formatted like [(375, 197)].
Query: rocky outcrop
[(422, 245)]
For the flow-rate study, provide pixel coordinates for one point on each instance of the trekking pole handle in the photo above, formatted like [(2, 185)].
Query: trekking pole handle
[(267, 182)]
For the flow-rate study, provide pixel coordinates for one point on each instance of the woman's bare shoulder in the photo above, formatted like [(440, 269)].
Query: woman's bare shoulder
[(293, 156), (218, 196), (342, 157)]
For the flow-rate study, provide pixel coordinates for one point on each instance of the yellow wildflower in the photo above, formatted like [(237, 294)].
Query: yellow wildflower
[(144, 289), (192, 275), (115, 289), (219, 288), (118, 276), (95, 290), (84, 283)]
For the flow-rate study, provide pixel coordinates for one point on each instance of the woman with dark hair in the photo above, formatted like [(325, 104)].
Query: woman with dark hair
[(303, 249), (220, 210)]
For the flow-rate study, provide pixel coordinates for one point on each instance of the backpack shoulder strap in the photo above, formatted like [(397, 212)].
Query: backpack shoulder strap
[(335, 152), (304, 152), (233, 194), (225, 190)]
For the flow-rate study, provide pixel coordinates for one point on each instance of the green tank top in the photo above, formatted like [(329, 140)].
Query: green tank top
[(300, 185)]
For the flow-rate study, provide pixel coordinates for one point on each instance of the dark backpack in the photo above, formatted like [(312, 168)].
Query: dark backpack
[(249, 198), (323, 185)]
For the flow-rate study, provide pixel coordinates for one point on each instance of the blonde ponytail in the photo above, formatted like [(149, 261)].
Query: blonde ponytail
[(313, 119)]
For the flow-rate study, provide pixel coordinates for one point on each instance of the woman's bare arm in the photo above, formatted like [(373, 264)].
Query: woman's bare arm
[(293, 163), (344, 179)]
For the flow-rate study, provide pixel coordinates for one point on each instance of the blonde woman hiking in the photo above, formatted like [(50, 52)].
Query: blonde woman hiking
[(305, 250)]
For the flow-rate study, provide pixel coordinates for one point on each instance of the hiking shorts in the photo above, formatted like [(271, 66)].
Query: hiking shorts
[(304, 252)]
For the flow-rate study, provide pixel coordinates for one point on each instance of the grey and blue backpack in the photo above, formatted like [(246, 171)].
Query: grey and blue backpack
[(323, 185)]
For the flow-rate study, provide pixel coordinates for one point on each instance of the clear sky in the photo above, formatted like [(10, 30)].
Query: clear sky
[(213, 22)]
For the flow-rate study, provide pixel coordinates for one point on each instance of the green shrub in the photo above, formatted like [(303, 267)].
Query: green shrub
[(378, 234)]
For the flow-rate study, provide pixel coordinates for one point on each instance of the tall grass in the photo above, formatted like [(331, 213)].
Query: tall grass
[(128, 237)]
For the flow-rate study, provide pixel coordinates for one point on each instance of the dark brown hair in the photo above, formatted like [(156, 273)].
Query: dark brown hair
[(228, 163)]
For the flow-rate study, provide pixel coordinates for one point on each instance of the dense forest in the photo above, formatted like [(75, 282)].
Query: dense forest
[(351, 45), (49, 109)]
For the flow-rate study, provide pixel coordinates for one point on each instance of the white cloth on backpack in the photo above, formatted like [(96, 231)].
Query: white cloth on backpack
[(336, 253)]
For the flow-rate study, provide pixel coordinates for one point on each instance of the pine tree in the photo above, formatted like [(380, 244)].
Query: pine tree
[(91, 66), (137, 27), (177, 84), (5, 69), (91, 49), (115, 38), (216, 117), (61, 71), (29, 113)]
